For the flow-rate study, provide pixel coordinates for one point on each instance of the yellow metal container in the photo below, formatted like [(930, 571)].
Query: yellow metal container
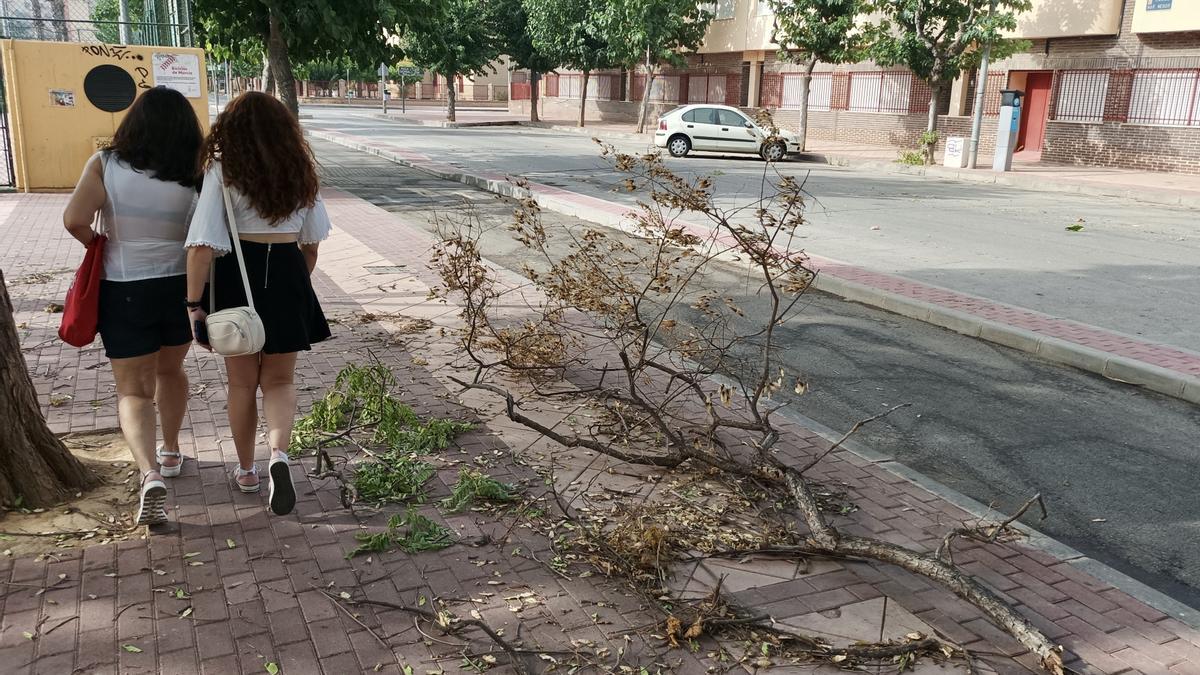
[(66, 99)]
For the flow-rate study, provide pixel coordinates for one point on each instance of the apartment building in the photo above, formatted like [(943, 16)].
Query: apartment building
[(1107, 82)]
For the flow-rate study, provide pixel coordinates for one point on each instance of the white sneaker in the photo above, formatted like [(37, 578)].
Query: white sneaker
[(152, 509), (168, 471)]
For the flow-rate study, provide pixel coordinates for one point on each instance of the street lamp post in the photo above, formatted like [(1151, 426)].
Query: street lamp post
[(980, 92)]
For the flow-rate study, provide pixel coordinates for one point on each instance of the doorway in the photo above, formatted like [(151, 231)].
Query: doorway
[(1035, 111)]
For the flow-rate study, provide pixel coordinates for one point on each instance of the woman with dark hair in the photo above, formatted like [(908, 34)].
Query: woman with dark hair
[(144, 186), (256, 153)]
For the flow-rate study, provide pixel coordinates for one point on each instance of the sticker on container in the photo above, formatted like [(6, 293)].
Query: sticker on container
[(62, 98), (180, 72)]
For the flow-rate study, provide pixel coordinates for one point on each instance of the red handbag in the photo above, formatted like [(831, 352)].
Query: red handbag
[(81, 310)]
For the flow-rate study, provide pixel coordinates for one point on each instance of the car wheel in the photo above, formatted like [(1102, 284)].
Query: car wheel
[(679, 146), (774, 152)]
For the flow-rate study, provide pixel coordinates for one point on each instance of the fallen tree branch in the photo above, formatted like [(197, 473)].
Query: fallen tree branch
[(853, 430), (513, 653), (824, 538)]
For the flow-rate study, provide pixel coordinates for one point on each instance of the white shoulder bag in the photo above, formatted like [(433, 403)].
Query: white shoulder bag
[(237, 331)]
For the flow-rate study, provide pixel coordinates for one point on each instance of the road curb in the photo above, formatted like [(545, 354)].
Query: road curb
[(1018, 180), (443, 124), (1034, 538), (1118, 368), (861, 293)]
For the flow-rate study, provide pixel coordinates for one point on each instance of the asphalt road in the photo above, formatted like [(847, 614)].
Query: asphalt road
[(1134, 268), (1117, 464)]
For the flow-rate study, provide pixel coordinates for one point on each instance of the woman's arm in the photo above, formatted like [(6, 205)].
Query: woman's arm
[(310, 256), (199, 262), (88, 198)]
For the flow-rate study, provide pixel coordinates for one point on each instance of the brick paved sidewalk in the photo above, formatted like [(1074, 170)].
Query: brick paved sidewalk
[(260, 602)]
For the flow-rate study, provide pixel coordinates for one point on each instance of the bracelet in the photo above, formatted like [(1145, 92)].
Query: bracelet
[(198, 304)]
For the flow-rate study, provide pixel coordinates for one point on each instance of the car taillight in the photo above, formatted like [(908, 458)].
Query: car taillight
[(662, 125)]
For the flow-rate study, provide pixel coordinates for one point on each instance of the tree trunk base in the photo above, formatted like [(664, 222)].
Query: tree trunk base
[(36, 469)]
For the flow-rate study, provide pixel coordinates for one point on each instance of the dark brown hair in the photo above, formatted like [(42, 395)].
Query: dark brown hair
[(264, 155), (161, 136)]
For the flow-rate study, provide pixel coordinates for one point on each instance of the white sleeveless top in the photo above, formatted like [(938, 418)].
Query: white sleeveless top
[(146, 222), (209, 226)]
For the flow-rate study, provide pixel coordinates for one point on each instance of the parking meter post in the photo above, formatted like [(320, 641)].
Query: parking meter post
[(1006, 134)]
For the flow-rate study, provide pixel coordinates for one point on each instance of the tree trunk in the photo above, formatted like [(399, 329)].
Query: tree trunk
[(281, 65), (931, 125), (805, 88), (534, 76), (39, 25), (451, 96), (59, 9), (268, 76), (36, 469), (651, 74), (583, 97)]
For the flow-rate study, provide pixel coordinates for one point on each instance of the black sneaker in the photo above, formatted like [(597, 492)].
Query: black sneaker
[(283, 493)]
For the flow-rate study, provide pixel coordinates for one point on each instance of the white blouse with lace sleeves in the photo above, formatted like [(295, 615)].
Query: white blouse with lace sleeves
[(316, 226), (209, 227)]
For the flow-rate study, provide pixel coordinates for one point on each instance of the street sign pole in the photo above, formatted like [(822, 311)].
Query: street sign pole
[(383, 95)]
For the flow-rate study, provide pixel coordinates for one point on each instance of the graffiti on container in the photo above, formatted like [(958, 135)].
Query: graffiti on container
[(114, 52)]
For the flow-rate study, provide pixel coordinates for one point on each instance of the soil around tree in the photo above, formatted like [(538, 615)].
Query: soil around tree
[(101, 515)]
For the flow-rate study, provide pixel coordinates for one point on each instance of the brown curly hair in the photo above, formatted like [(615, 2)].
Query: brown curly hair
[(264, 155)]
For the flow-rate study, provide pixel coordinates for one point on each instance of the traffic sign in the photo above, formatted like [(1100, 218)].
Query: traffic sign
[(383, 70)]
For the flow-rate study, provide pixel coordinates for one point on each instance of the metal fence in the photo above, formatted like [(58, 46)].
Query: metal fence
[(130, 22), (820, 91), (1081, 95), (1167, 97)]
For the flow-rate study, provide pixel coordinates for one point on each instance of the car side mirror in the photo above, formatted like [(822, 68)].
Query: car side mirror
[(749, 125)]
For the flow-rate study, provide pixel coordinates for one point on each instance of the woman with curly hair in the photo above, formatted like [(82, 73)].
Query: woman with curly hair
[(257, 152), (143, 187)]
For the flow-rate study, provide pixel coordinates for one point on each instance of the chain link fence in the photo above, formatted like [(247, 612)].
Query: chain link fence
[(128, 22)]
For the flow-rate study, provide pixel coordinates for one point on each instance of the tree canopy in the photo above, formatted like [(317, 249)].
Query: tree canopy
[(652, 32), (571, 32), (938, 39), (459, 41)]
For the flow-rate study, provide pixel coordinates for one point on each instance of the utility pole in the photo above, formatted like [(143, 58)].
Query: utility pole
[(980, 91)]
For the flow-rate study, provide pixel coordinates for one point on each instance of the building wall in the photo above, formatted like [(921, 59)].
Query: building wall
[(748, 29), (1151, 148), (1183, 15), (1066, 18)]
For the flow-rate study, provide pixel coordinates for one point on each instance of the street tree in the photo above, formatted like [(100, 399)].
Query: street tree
[(460, 42), (939, 39), (809, 32), (571, 32), (511, 23), (652, 33), (36, 469), (301, 30)]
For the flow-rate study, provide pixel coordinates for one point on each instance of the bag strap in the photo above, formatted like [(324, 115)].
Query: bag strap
[(237, 249)]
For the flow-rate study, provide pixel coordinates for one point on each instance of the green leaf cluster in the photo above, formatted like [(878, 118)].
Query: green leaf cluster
[(826, 31), (420, 533), (938, 39), (474, 486)]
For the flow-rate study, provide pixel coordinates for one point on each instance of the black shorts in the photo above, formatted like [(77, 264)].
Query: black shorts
[(283, 295), (140, 317)]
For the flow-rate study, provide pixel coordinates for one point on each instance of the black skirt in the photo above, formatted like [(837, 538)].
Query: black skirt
[(283, 295)]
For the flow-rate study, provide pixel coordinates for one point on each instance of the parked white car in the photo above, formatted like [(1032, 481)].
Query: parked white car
[(719, 128)]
